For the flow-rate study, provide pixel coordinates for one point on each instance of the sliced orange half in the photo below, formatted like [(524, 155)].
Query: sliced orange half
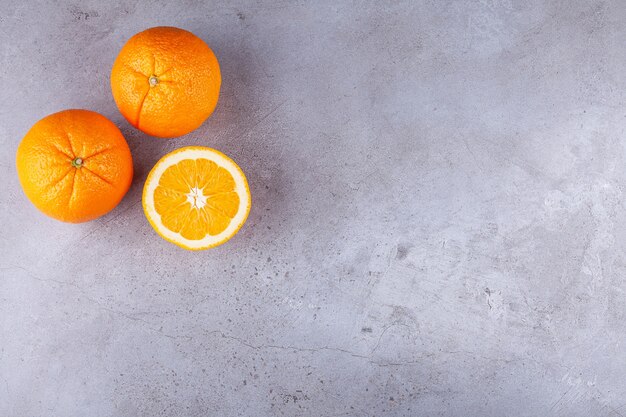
[(196, 198)]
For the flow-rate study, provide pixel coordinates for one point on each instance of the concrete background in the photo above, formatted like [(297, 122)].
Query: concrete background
[(438, 224)]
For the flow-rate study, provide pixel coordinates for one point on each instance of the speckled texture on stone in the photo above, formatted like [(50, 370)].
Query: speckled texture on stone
[(438, 224)]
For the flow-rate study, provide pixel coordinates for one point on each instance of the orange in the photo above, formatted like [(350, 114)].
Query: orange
[(196, 197), (166, 81), (74, 165)]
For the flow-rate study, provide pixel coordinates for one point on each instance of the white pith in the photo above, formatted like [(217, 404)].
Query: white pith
[(196, 198)]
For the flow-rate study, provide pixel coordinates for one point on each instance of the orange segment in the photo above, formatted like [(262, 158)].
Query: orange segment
[(167, 200), (217, 221), (205, 171), (194, 228), (175, 179), (226, 203)]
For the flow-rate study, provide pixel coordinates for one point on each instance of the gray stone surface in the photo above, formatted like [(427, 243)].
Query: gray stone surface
[(438, 224)]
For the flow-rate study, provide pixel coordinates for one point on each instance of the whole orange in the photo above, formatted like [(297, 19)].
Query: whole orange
[(74, 165), (166, 81)]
